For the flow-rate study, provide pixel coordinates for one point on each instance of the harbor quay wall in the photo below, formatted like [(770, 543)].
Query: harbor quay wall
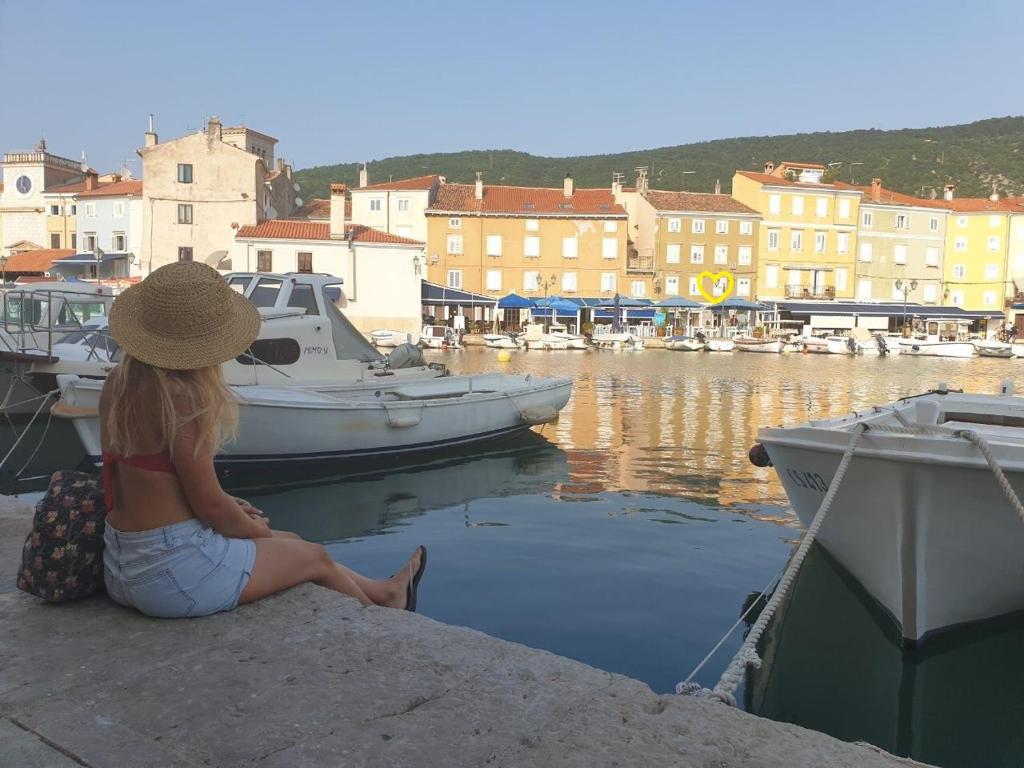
[(309, 678)]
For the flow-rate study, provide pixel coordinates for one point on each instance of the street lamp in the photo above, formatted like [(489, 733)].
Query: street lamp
[(906, 287), (97, 254), (3, 269), (550, 282)]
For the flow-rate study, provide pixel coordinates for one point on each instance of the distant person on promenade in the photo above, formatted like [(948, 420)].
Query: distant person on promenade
[(175, 543)]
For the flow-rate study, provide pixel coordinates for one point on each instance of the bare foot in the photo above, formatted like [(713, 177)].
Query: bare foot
[(399, 583)]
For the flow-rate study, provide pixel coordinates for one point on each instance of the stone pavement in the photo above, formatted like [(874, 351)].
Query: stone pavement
[(309, 678)]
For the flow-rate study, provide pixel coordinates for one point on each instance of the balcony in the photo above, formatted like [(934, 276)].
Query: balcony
[(799, 292), (639, 264)]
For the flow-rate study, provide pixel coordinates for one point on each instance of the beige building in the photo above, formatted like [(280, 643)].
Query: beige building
[(535, 241), (382, 272), (398, 207), (201, 188)]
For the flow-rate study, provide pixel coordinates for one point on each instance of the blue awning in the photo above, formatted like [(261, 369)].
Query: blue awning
[(737, 303), (563, 306), (887, 309), (559, 312), (631, 314), (90, 258), (678, 302), (515, 301), (624, 301), (441, 295)]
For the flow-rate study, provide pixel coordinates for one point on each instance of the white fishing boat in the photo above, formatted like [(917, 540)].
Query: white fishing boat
[(502, 341), (934, 348), (572, 340), (720, 345), (993, 348), (684, 344), (829, 345), (920, 519), (815, 345), (618, 341), (439, 337), (388, 339), (752, 344), (301, 424)]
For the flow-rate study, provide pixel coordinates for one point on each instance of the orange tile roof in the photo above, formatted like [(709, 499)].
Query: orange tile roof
[(696, 201), (887, 196), (37, 261), (778, 181), (71, 186), (526, 201), (319, 208), (418, 182), (289, 229), (115, 189)]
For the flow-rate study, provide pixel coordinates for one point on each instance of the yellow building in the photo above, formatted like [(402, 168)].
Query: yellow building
[(534, 241), (808, 232), (975, 273)]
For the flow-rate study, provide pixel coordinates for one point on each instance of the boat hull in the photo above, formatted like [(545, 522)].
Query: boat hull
[(720, 345), (313, 424), (937, 348), (773, 346), (937, 545)]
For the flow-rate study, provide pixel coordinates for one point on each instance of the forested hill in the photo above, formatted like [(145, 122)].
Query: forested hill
[(912, 160)]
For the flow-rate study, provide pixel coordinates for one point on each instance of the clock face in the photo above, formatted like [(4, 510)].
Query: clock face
[(23, 184)]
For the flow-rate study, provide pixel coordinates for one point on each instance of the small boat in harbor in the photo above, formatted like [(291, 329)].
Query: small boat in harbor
[(502, 341), (920, 519), (993, 348), (439, 337), (388, 339), (752, 344), (304, 424), (929, 348), (829, 345), (572, 341), (684, 344), (815, 345), (618, 341), (720, 345)]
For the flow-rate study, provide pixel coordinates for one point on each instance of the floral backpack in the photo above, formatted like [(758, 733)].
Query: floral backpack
[(62, 559)]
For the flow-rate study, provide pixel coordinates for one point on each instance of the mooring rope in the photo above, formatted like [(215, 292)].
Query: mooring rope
[(42, 399), (725, 690)]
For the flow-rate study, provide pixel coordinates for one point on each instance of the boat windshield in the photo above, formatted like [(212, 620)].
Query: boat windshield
[(26, 309)]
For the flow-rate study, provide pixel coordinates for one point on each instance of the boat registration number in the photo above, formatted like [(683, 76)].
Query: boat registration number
[(315, 350), (812, 481)]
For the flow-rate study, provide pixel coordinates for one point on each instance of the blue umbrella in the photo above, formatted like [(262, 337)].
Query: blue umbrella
[(515, 301), (678, 302), (736, 303)]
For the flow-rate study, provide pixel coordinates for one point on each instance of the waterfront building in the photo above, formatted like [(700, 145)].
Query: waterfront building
[(109, 218), (678, 235), (33, 266), (1015, 260), (398, 207), (900, 239), (202, 187), (24, 210), (808, 232), (535, 241), (382, 272)]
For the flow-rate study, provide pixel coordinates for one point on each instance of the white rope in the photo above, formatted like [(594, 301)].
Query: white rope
[(724, 691), (42, 439), (28, 426), (982, 445)]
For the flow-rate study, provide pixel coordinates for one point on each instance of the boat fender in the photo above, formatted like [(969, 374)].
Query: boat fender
[(539, 414), (758, 456)]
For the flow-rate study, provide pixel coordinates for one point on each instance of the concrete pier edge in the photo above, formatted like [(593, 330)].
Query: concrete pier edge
[(309, 678)]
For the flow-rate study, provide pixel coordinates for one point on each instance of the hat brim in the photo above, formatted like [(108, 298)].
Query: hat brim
[(205, 348)]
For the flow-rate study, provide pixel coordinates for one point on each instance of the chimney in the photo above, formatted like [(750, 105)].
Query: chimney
[(338, 211), (479, 191), (567, 185), (876, 189), (769, 167), (213, 128), (947, 191), (92, 180), (151, 134), (994, 197), (718, 186), (363, 180)]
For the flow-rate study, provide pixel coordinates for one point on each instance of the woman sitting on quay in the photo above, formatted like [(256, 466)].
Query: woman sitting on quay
[(175, 543)]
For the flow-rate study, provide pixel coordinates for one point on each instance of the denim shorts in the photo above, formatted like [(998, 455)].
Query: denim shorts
[(184, 569)]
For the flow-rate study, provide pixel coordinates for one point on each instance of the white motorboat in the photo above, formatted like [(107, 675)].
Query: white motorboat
[(502, 341), (1018, 348), (936, 348), (829, 345), (720, 345), (300, 424), (439, 337), (920, 520), (304, 339), (684, 344), (618, 341), (993, 348), (572, 340), (815, 345), (388, 339), (752, 344)]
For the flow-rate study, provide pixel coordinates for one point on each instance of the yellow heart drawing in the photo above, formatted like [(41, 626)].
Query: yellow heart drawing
[(715, 277)]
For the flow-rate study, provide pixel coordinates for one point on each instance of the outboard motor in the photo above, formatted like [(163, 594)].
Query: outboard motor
[(883, 348), (406, 356)]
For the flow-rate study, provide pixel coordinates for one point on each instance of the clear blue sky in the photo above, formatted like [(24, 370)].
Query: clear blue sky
[(346, 81)]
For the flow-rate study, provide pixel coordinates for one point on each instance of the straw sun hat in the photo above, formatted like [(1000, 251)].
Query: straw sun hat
[(183, 316)]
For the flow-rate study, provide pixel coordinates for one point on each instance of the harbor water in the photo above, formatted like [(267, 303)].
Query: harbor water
[(631, 534)]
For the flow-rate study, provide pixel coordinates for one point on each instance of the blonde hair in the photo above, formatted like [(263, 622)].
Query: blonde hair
[(140, 393)]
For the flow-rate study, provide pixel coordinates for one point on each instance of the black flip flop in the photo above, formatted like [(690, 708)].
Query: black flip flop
[(414, 582)]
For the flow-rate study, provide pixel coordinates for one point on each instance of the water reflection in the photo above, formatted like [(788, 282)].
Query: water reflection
[(833, 662)]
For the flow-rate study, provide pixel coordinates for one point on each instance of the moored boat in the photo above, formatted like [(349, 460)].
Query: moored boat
[(720, 345), (502, 341), (684, 344), (618, 341), (439, 337), (385, 338), (937, 348), (993, 348), (752, 344), (920, 520)]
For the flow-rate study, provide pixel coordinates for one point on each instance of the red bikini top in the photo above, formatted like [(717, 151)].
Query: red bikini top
[(154, 462)]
